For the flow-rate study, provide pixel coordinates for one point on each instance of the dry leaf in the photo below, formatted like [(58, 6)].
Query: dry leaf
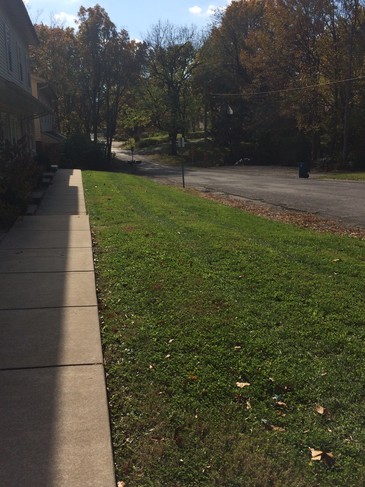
[(281, 404), (271, 427), (121, 484), (316, 455), (237, 347), (157, 439), (193, 377), (321, 410), (321, 456), (168, 356), (281, 413), (241, 385), (248, 405)]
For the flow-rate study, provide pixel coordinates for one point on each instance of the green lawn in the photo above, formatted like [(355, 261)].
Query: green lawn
[(352, 176), (198, 300)]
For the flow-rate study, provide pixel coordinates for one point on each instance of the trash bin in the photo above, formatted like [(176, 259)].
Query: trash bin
[(304, 169)]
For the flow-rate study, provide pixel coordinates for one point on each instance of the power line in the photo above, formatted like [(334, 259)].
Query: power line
[(286, 90)]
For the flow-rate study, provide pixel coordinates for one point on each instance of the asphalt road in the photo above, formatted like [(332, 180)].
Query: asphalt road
[(332, 199)]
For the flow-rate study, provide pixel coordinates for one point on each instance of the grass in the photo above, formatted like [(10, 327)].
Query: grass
[(195, 298), (195, 152), (352, 176)]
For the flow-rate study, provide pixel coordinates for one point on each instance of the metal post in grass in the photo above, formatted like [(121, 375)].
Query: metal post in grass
[(183, 173), (181, 143)]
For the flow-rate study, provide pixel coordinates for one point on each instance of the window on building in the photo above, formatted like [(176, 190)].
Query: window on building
[(20, 58), (27, 70), (9, 52)]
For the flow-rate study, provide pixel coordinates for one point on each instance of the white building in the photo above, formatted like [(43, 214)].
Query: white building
[(18, 108)]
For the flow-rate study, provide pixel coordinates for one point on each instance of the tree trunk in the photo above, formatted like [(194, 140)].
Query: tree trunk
[(173, 138), (109, 142), (346, 125), (348, 88)]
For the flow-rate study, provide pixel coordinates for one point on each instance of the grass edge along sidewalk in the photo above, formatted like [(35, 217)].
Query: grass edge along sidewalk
[(234, 346)]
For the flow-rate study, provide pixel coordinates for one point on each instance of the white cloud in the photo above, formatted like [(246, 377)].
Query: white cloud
[(195, 10), (65, 19), (210, 10)]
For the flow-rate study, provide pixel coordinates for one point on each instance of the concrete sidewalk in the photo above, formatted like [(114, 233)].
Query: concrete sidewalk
[(54, 423)]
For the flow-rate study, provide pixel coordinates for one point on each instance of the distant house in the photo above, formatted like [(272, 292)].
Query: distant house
[(18, 107)]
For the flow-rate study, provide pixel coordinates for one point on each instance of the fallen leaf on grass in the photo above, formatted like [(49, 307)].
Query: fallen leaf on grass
[(241, 385), (121, 484), (281, 413), (316, 455), (321, 410), (322, 456), (168, 356), (281, 404), (271, 427), (158, 439), (248, 405), (192, 377)]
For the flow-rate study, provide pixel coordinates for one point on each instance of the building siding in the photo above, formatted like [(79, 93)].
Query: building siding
[(17, 106), (12, 47)]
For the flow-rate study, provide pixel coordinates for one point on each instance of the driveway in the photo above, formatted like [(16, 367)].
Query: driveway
[(331, 199)]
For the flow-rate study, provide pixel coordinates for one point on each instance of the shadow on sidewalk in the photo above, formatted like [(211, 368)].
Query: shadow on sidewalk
[(49, 338)]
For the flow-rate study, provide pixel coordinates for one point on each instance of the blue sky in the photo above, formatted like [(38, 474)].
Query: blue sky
[(136, 16)]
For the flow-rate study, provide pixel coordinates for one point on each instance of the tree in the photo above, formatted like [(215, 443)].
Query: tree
[(291, 72), (95, 37), (228, 75), (91, 70), (171, 62), (293, 67), (125, 61), (56, 60), (289, 60), (351, 13)]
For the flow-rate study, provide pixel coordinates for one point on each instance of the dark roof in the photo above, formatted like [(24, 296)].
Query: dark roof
[(18, 13)]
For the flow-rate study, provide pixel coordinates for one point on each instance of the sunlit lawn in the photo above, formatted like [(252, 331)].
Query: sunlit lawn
[(233, 345), (352, 176)]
